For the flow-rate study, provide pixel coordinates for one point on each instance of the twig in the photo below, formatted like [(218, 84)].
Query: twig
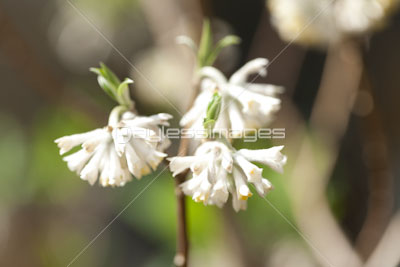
[(182, 240), (381, 197), (387, 252)]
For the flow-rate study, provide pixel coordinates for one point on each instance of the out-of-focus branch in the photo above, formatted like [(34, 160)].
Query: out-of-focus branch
[(329, 121), (387, 252), (381, 191)]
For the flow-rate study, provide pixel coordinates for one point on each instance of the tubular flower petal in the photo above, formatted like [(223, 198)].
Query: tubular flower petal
[(111, 155), (219, 170), (244, 105)]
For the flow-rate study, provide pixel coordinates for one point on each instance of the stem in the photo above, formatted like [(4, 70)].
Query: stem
[(381, 180), (116, 112), (182, 240)]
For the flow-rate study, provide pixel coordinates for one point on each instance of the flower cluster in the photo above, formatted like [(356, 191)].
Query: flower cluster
[(132, 145), (244, 105), (128, 145), (223, 105), (219, 170)]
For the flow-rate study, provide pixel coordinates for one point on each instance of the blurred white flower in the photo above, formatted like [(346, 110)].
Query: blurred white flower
[(304, 21), (326, 21), (244, 104), (110, 154), (219, 170), (358, 16)]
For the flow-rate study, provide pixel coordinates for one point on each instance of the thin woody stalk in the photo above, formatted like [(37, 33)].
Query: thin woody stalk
[(206, 53), (182, 240)]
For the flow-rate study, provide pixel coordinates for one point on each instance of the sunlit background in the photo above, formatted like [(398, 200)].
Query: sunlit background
[(337, 202)]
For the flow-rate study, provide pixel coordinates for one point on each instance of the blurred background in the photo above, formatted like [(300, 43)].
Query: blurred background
[(337, 202)]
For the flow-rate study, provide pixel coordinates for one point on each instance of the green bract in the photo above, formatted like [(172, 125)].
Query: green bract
[(207, 53), (213, 110), (109, 82)]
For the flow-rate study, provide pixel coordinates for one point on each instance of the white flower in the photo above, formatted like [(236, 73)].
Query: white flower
[(358, 16), (218, 170), (244, 105), (97, 157), (327, 21), (106, 156), (304, 21), (142, 142)]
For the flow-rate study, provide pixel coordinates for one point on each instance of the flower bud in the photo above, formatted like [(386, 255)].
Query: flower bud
[(213, 110)]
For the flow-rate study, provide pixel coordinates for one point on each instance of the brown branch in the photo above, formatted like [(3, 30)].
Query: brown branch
[(381, 198), (182, 240), (387, 252)]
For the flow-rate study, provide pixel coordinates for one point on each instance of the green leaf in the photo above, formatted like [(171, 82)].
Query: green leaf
[(206, 43), (209, 125), (123, 92), (107, 80), (214, 107), (107, 87), (95, 70), (206, 52), (109, 75), (113, 87), (123, 86), (224, 42)]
